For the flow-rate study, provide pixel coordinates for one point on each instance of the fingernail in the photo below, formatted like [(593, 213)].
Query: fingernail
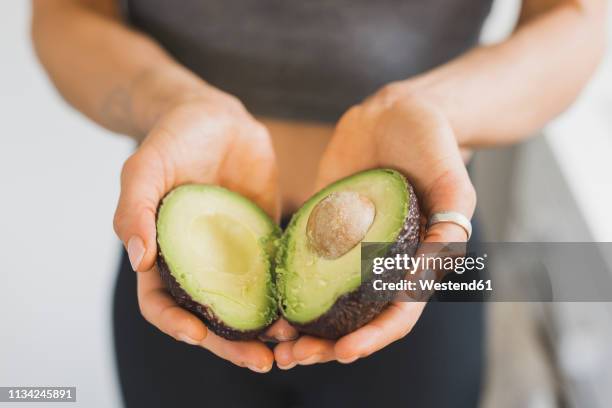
[(260, 370), (310, 360), (136, 251), (186, 339), (268, 339), (287, 367), (284, 336), (348, 360)]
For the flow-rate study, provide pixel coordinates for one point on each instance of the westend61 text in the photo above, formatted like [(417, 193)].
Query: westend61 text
[(429, 285)]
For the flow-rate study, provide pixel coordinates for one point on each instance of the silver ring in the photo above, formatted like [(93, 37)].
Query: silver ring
[(454, 218)]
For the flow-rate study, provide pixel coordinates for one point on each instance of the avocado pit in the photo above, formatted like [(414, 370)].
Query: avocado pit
[(338, 223)]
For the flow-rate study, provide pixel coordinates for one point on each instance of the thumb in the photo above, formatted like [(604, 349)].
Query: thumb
[(142, 187), (250, 169), (338, 163)]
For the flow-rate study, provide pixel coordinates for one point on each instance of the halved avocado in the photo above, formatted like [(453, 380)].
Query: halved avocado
[(216, 252), (318, 273)]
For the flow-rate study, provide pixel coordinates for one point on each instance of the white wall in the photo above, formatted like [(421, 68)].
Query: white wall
[(58, 186), (556, 187)]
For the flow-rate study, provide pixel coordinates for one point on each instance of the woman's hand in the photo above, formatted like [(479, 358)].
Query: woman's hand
[(214, 142), (398, 130)]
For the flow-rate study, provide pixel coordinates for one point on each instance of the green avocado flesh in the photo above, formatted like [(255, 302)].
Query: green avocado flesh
[(309, 284), (219, 248)]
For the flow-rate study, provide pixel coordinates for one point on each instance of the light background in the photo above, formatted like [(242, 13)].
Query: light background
[(59, 185)]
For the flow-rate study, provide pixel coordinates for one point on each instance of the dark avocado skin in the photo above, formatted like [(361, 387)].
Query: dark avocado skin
[(202, 312), (353, 310)]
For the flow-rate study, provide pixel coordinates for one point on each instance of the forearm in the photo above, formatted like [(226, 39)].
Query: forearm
[(119, 78), (502, 93)]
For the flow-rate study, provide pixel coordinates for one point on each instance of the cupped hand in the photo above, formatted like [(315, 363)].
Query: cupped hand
[(401, 131), (198, 142)]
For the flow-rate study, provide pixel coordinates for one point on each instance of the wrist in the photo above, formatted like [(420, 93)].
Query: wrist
[(426, 91), (209, 101), (157, 94)]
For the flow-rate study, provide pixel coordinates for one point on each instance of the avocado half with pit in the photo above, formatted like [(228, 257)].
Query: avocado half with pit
[(216, 253), (320, 285)]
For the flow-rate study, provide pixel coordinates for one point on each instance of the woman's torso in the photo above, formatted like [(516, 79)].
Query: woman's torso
[(298, 65)]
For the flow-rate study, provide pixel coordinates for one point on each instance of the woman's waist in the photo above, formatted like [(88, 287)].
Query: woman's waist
[(298, 146)]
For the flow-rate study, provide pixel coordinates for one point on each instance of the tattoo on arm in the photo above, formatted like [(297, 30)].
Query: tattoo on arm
[(119, 106)]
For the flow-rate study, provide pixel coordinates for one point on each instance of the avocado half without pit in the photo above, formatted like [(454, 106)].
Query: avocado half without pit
[(217, 255), (321, 289)]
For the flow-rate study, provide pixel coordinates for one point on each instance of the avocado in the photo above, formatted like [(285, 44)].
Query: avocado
[(318, 273), (216, 253)]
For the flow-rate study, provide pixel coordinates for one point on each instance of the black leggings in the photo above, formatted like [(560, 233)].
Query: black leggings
[(439, 364)]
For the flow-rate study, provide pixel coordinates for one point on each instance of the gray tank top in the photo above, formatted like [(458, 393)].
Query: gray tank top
[(309, 59)]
